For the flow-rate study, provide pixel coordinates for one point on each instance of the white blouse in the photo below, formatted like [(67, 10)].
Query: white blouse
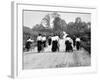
[(43, 38), (39, 38), (55, 38), (78, 39), (30, 40)]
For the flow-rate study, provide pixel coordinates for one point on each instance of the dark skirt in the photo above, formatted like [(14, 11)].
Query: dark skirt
[(77, 45), (49, 41), (28, 45), (68, 46), (54, 46), (44, 44), (74, 42), (39, 46)]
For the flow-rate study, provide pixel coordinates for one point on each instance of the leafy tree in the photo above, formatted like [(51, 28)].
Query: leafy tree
[(63, 25), (78, 20), (46, 20), (55, 14), (27, 32), (57, 25)]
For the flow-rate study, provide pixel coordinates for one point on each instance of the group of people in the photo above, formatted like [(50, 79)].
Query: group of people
[(66, 43)]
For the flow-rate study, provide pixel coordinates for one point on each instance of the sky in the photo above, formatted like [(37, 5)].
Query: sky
[(31, 18)]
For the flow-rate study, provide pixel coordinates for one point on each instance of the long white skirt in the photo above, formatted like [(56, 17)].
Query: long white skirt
[(62, 45)]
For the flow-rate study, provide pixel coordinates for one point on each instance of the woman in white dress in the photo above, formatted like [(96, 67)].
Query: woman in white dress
[(62, 42)]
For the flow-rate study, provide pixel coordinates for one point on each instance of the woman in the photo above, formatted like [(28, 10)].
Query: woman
[(28, 44), (62, 42), (55, 44), (44, 41), (69, 44), (39, 43)]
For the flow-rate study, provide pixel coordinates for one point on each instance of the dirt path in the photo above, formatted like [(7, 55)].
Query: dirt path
[(59, 59)]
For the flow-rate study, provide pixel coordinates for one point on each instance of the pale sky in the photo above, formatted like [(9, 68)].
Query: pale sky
[(31, 18)]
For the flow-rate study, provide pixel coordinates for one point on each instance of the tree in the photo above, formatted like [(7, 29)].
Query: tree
[(27, 32), (37, 27), (57, 24), (63, 25), (46, 21), (78, 20), (55, 14)]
